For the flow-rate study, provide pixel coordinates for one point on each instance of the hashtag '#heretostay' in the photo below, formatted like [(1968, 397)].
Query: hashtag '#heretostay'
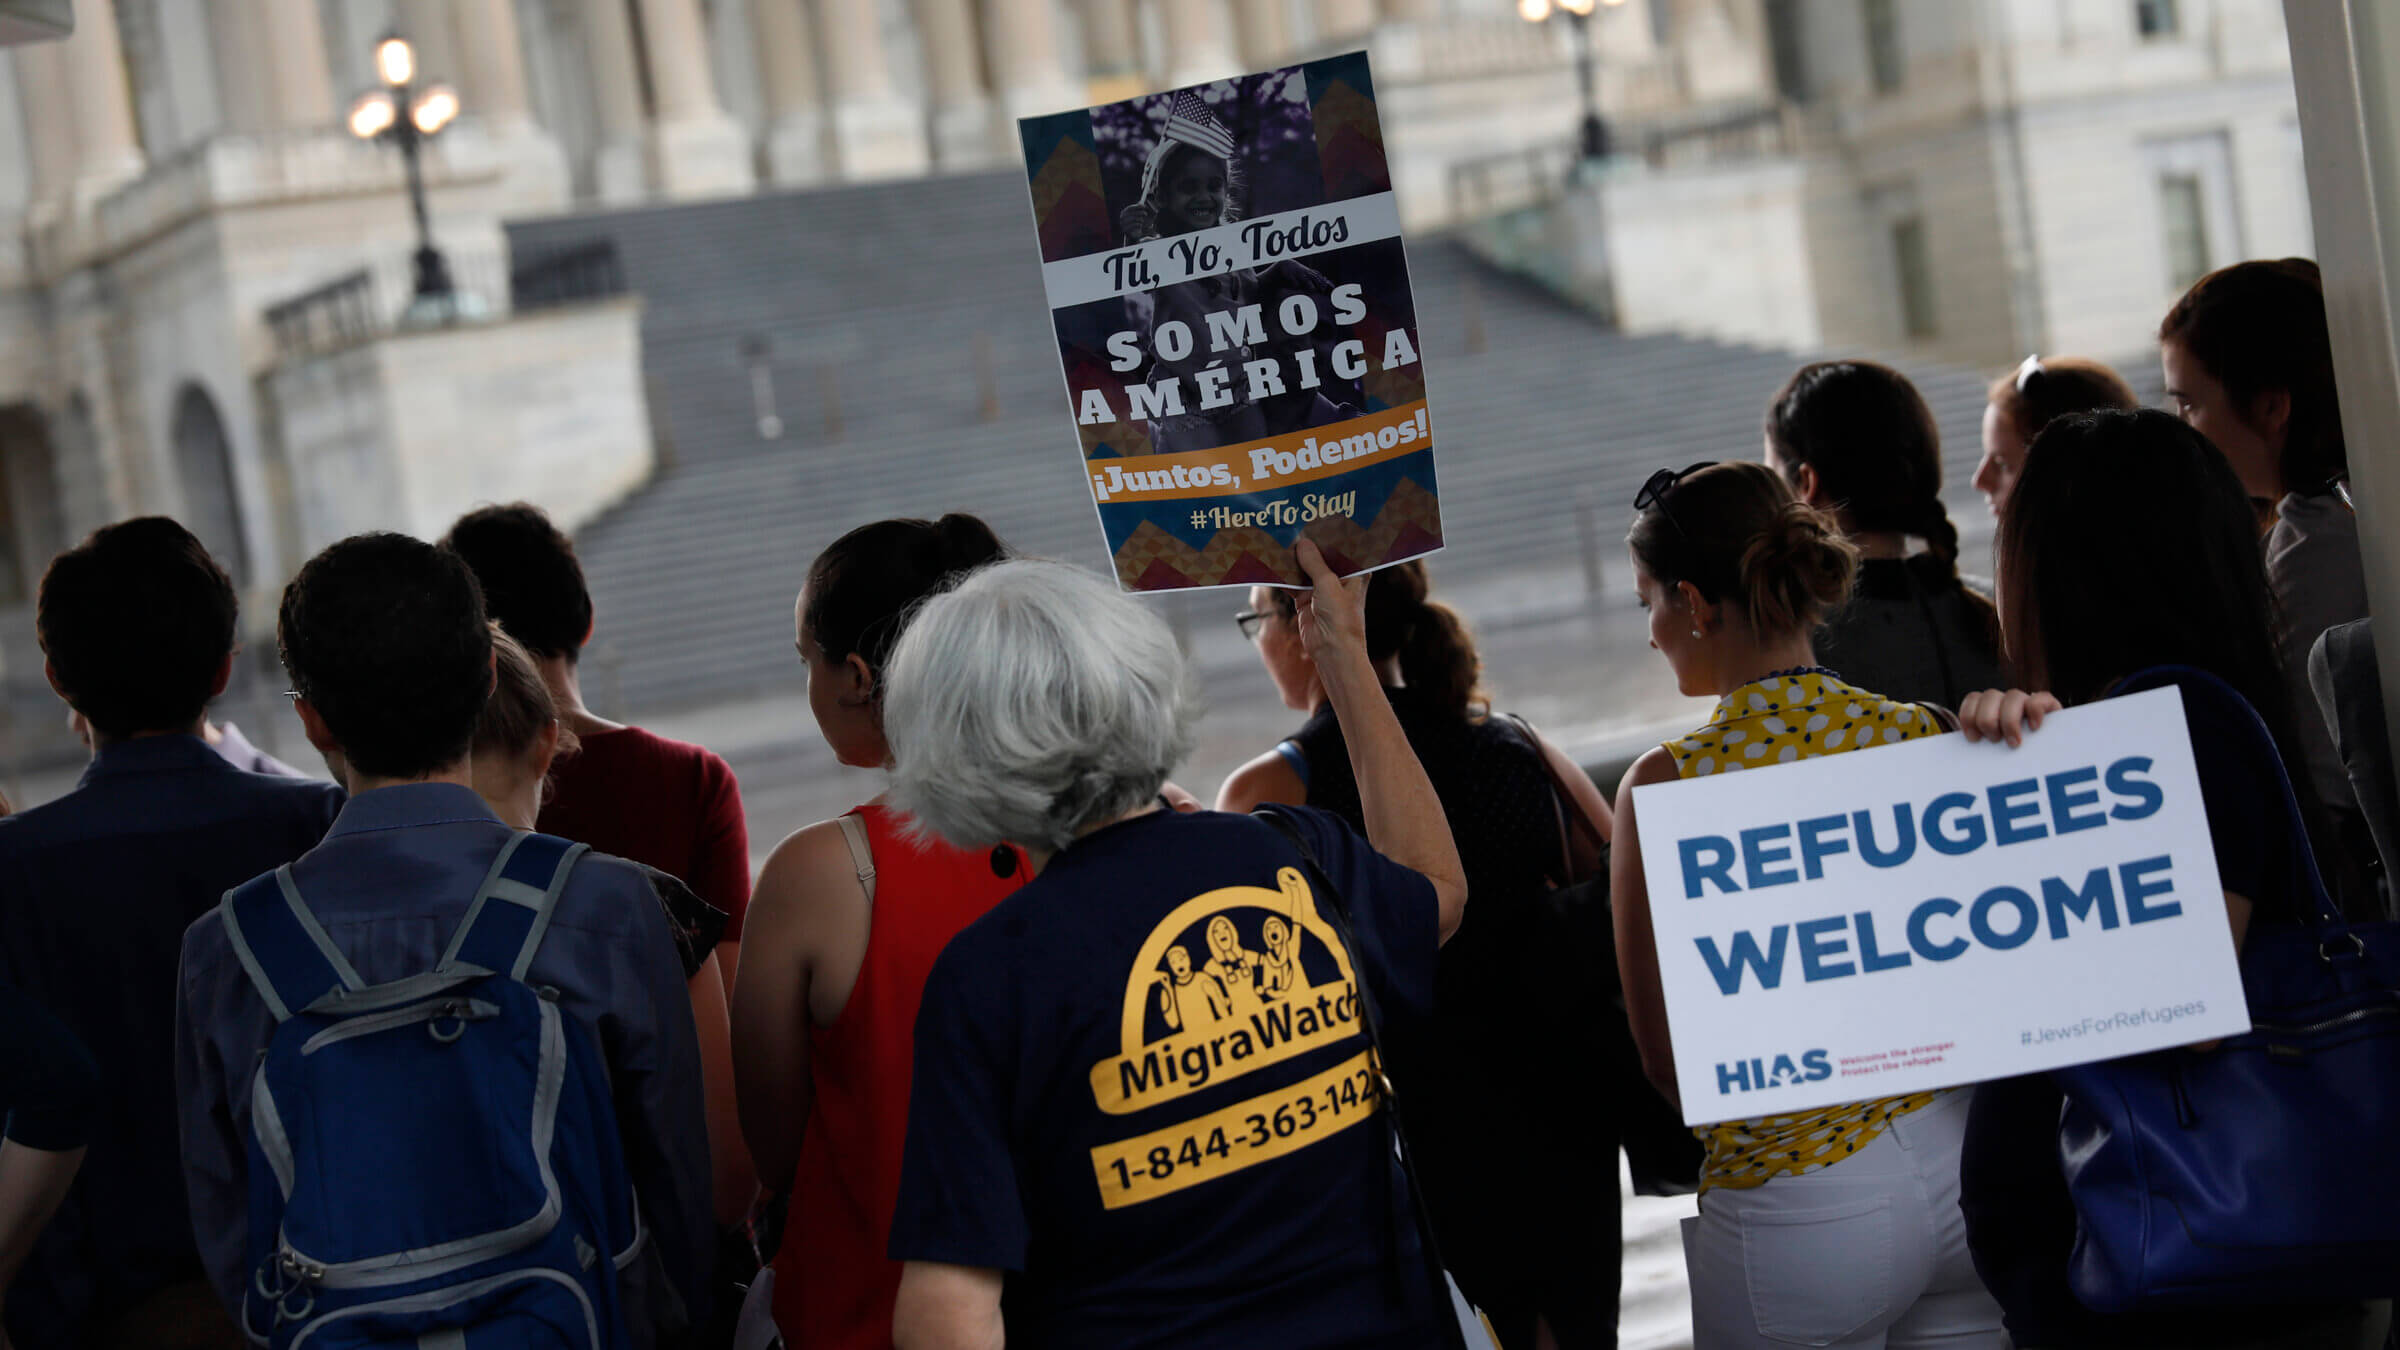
[(1199, 520)]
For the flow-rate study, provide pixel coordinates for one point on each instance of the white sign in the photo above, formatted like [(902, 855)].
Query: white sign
[(1936, 912)]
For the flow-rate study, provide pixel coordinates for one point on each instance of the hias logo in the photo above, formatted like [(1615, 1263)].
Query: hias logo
[(1781, 1071)]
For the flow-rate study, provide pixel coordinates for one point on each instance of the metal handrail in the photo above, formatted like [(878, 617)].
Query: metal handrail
[(339, 313), (1537, 174), (570, 274)]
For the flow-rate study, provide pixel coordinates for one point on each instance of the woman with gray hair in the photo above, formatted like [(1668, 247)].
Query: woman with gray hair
[(1137, 1079)]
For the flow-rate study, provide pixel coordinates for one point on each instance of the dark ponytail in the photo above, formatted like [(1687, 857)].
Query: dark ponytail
[(1437, 653), (863, 587), (1437, 657), (1872, 442), (1736, 532), (1933, 525)]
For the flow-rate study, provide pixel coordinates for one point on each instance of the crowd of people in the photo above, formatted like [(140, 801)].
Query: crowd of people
[(487, 1037)]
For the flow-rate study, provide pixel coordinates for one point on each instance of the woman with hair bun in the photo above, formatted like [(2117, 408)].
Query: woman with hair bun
[(1855, 440), (847, 919), (1834, 1227), (2038, 392), (1525, 1215)]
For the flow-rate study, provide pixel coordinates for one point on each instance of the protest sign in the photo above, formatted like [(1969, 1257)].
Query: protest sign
[(1934, 912), (1225, 274)]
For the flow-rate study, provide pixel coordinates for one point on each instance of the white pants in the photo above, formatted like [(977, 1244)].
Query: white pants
[(1871, 1252)]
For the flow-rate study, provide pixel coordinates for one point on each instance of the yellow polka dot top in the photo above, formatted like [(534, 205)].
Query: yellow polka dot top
[(1776, 721)]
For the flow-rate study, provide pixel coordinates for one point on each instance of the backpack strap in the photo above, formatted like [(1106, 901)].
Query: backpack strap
[(511, 913), (287, 954)]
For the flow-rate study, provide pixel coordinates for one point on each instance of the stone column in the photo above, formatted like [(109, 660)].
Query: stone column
[(1112, 52), (876, 132), (1196, 48), (618, 164), (1265, 30), (49, 127), (965, 131), (427, 26), (1344, 18), (1022, 36), (697, 149), (492, 57), (108, 149), (299, 88), (237, 33), (787, 60)]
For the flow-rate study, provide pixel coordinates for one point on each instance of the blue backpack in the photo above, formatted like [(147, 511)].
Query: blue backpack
[(434, 1162)]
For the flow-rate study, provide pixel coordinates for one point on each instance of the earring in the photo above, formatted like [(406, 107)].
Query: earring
[(1698, 634)]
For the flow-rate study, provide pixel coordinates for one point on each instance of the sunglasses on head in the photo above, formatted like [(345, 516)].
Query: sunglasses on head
[(1658, 485)]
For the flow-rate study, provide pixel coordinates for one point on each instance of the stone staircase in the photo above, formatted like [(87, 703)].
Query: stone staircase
[(903, 332)]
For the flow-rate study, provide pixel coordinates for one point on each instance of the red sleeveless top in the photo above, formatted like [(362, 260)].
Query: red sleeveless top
[(833, 1285)]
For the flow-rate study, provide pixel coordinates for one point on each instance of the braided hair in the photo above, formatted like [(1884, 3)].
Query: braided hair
[(1867, 434)]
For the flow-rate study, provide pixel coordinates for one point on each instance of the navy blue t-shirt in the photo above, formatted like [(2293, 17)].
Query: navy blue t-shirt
[(1142, 1089)]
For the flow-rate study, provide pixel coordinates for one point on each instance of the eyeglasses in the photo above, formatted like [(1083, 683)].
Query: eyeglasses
[(1248, 621), (2029, 370), (1658, 485)]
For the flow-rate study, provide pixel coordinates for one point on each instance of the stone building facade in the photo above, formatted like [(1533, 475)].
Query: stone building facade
[(1972, 178)]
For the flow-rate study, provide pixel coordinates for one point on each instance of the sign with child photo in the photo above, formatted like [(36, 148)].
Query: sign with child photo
[(1225, 274), (1934, 912)]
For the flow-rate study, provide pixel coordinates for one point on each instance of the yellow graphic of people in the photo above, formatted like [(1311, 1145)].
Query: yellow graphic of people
[(1189, 999), (1235, 966), (1234, 981), (1279, 972)]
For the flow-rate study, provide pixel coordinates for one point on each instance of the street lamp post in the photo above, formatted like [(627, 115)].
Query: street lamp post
[(1579, 13), (400, 114)]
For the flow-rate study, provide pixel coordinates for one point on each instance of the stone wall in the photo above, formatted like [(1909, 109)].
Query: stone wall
[(409, 431), (1713, 252)]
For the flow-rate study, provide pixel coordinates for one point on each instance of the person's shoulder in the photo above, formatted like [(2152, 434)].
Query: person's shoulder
[(65, 816), (310, 796), (107, 808), (1270, 777), (664, 747), (597, 890), (1506, 739), (2312, 535), (1654, 765), (1856, 718), (705, 766), (807, 860)]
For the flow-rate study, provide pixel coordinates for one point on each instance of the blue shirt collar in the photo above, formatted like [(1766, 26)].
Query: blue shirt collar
[(409, 804), (152, 754)]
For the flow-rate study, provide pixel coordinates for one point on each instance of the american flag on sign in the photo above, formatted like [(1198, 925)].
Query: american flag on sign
[(1190, 121)]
